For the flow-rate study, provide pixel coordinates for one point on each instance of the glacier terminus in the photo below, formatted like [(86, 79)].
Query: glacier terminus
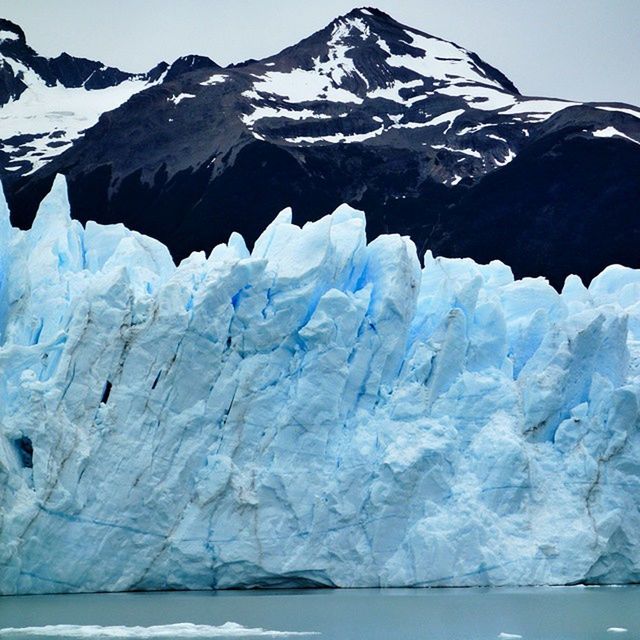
[(320, 411)]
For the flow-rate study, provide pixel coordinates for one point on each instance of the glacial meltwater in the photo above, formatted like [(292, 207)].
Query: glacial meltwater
[(571, 613)]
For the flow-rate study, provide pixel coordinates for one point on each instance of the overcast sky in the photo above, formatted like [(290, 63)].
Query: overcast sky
[(577, 49)]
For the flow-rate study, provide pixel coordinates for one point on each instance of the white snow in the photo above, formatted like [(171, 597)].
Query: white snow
[(180, 97), (538, 109), (300, 85), (261, 112), (216, 78), (337, 137), (319, 409), (510, 155), (323, 81), (448, 118), (360, 137), (474, 129), (392, 92), (440, 60), (479, 97), (630, 112), (612, 132), (56, 114), (8, 35), (467, 152), (410, 125)]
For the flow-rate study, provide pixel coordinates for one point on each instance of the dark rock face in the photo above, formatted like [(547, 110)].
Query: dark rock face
[(421, 134)]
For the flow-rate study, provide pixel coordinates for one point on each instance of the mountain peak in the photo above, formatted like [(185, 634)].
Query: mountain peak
[(188, 63), (363, 22), (367, 13), (368, 54), (430, 54), (365, 110)]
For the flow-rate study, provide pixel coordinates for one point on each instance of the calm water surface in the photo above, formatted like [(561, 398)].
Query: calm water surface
[(366, 614)]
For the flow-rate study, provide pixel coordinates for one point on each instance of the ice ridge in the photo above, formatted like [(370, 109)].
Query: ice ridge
[(319, 411)]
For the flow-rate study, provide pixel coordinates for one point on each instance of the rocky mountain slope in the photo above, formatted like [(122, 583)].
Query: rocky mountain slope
[(420, 133)]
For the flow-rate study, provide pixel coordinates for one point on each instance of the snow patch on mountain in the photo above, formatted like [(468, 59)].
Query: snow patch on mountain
[(8, 35), (468, 152), (631, 112), (53, 116), (301, 85), (216, 78), (323, 81), (261, 112), (508, 157), (438, 59), (180, 97), (479, 97), (538, 109), (337, 137), (447, 118), (612, 132)]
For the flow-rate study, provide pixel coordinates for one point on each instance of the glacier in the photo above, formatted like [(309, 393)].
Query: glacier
[(320, 411)]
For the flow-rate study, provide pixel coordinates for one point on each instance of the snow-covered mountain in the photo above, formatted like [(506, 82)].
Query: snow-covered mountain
[(46, 103), (420, 133), (320, 411)]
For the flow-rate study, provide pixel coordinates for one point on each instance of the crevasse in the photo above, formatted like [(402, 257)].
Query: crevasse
[(320, 411)]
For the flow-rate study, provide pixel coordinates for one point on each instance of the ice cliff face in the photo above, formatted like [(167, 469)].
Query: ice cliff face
[(317, 412)]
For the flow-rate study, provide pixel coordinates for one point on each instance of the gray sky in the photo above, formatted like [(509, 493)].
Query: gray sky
[(577, 49)]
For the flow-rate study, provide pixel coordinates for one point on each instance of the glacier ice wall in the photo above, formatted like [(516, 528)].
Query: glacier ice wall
[(320, 411)]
